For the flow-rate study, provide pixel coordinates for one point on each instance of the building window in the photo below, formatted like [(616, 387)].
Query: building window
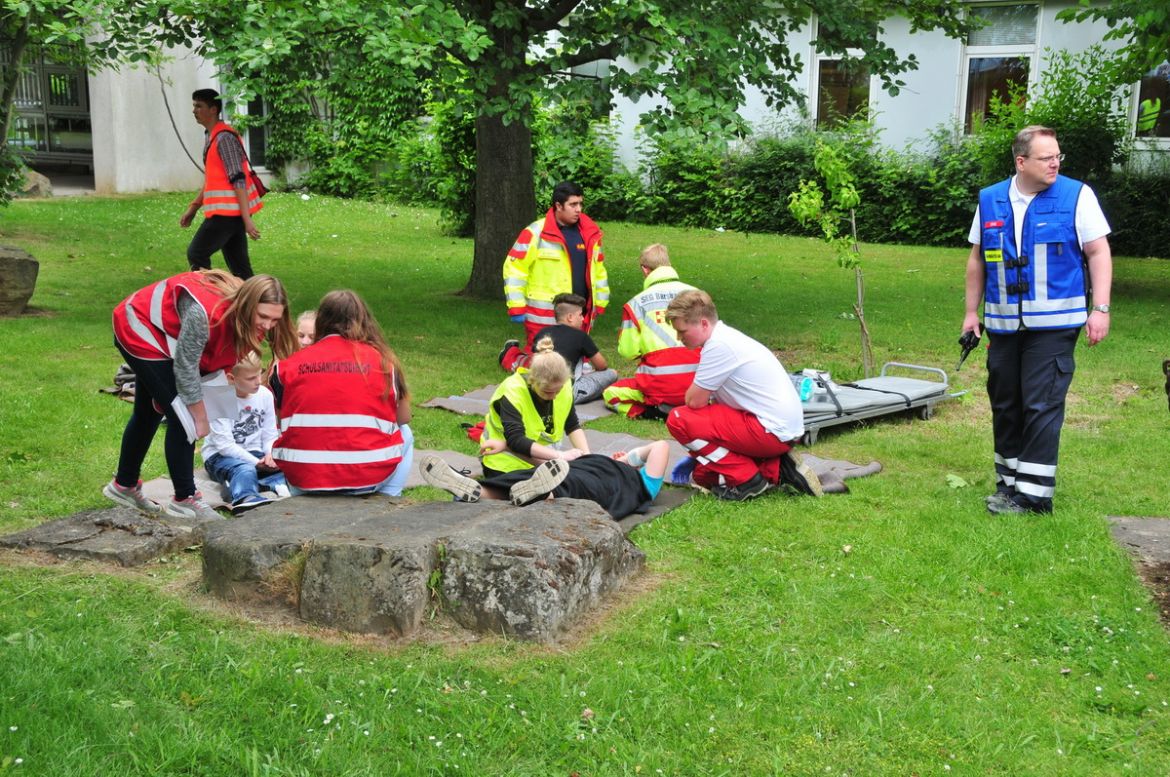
[(842, 91), (1153, 114), (999, 55), (258, 134), (50, 122)]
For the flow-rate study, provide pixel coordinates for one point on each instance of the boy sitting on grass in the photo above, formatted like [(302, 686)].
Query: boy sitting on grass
[(574, 345), (624, 484), (238, 451)]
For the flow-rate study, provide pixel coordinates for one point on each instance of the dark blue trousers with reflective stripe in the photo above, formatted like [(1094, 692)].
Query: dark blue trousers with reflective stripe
[(1028, 375)]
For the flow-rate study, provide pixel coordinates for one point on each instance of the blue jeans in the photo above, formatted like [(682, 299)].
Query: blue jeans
[(240, 476), (391, 486)]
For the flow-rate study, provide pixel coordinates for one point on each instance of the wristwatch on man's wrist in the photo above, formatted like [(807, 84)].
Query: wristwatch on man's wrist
[(1101, 308)]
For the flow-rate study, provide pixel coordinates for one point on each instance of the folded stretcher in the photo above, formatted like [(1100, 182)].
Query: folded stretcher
[(831, 403)]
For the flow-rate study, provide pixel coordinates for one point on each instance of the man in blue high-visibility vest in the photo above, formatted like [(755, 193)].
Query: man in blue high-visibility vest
[(1032, 237)]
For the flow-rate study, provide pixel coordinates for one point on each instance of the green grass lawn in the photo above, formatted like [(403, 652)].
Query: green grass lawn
[(896, 630)]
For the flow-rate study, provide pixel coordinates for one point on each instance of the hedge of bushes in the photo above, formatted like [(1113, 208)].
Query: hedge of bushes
[(922, 196)]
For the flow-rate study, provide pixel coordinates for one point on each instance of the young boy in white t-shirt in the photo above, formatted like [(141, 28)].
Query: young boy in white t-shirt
[(238, 451)]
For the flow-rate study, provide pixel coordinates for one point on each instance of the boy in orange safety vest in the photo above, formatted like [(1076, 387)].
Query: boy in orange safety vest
[(228, 197)]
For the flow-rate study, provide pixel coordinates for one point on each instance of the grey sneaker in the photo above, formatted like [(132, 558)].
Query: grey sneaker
[(439, 474), (544, 479), (131, 497), (744, 491), (191, 507), (794, 472)]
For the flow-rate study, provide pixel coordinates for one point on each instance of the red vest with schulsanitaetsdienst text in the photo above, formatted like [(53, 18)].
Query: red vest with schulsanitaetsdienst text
[(219, 197), (338, 426), (147, 322)]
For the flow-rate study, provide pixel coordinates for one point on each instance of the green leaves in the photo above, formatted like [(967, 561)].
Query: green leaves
[(808, 203)]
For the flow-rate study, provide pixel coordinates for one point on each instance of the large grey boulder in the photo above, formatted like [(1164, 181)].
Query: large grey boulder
[(539, 567), (36, 184), (18, 279), (376, 565)]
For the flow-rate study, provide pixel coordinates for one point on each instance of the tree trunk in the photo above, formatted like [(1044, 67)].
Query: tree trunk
[(11, 79), (505, 200)]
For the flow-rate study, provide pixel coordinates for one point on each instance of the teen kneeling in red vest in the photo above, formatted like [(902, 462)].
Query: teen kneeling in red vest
[(343, 406)]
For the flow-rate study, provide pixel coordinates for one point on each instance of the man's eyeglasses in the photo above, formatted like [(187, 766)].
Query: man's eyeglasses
[(1047, 160)]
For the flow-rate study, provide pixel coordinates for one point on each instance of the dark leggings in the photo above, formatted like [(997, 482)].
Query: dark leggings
[(154, 381)]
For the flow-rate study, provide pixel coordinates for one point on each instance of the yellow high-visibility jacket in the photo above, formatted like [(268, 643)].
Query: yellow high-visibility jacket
[(537, 269)]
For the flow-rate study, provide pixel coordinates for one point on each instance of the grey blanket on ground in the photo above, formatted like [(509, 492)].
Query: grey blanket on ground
[(475, 403)]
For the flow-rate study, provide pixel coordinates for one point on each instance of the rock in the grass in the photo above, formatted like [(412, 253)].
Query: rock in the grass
[(379, 566), (36, 185), (120, 535), (18, 279), (537, 569)]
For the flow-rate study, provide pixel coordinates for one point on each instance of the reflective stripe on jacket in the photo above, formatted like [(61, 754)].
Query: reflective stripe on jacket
[(515, 389), (147, 322), (538, 268), (1042, 284), (644, 326), (338, 426), (219, 196)]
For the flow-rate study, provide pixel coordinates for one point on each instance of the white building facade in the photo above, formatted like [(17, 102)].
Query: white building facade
[(952, 85)]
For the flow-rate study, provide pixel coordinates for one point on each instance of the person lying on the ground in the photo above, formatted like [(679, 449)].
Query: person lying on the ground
[(531, 412), (591, 373), (621, 485)]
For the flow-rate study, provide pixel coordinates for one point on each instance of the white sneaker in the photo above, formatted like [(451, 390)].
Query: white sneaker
[(439, 474), (544, 479), (131, 497), (191, 507)]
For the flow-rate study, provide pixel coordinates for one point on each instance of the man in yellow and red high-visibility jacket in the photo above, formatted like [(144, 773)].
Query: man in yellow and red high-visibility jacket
[(228, 197), (666, 367), (560, 253)]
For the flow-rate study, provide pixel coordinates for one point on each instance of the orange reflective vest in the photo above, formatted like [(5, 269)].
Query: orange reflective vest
[(146, 323), (219, 196), (338, 427), (538, 268)]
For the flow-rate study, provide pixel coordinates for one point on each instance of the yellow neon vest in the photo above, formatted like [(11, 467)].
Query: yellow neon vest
[(515, 389)]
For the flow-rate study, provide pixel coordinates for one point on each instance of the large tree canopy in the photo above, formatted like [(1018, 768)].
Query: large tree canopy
[(698, 56)]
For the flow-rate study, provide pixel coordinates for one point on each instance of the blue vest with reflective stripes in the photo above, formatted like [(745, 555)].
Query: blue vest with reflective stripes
[(1042, 284)]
